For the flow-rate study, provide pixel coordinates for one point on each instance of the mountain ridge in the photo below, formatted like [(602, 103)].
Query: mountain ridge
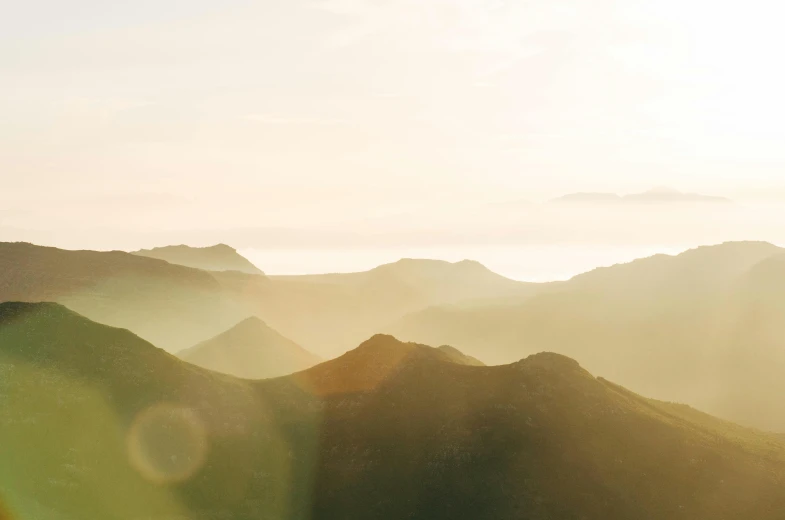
[(538, 439), (219, 257)]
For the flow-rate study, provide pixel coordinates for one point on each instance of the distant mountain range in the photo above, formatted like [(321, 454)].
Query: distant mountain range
[(705, 327), (219, 257), (655, 195), (98, 423), (172, 305), (675, 328), (176, 307), (250, 349)]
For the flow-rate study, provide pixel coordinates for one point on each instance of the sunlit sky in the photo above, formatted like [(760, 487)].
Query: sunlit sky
[(195, 114)]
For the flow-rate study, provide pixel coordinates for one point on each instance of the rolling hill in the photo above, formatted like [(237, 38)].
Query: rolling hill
[(252, 350), (98, 423)]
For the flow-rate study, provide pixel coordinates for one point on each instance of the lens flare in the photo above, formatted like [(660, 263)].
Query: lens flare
[(167, 443)]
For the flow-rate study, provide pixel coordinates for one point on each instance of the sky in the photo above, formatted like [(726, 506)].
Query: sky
[(353, 116)]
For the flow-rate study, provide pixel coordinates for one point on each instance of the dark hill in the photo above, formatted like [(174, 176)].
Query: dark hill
[(136, 433)]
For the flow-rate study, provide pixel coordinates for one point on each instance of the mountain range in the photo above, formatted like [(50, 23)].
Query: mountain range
[(175, 306), (98, 423), (703, 327)]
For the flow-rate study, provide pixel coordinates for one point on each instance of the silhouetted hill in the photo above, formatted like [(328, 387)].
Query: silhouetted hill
[(97, 423), (677, 328), (250, 349), (219, 257)]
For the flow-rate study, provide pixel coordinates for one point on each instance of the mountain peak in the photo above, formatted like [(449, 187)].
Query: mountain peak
[(251, 349), (370, 364), (253, 321), (219, 257), (550, 360)]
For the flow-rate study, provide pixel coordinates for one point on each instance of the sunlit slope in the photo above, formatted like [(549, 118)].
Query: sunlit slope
[(694, 327), (250, 349), (100, 424)]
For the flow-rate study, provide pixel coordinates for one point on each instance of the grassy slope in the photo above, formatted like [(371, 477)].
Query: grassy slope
[(389, 430)]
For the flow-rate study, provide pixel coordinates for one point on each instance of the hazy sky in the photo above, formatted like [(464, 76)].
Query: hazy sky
[(304, 113)]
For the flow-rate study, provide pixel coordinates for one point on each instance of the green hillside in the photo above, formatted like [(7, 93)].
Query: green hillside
[(97, 423)]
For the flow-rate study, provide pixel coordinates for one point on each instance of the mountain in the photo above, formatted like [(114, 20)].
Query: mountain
[(219, 257), (324, 313), (368, 366), (456, 356), (673, 327), (252, 350), (172, 305), (98, 423), (433, 280), (176, 307), (655, 195)]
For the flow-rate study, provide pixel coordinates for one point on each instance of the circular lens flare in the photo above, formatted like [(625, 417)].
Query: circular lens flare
[(167, 443)]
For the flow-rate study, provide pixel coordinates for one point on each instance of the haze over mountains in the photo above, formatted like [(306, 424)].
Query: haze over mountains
[(392, 260), (173, 305), (704, 327), (98, 423), (176, 307)]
